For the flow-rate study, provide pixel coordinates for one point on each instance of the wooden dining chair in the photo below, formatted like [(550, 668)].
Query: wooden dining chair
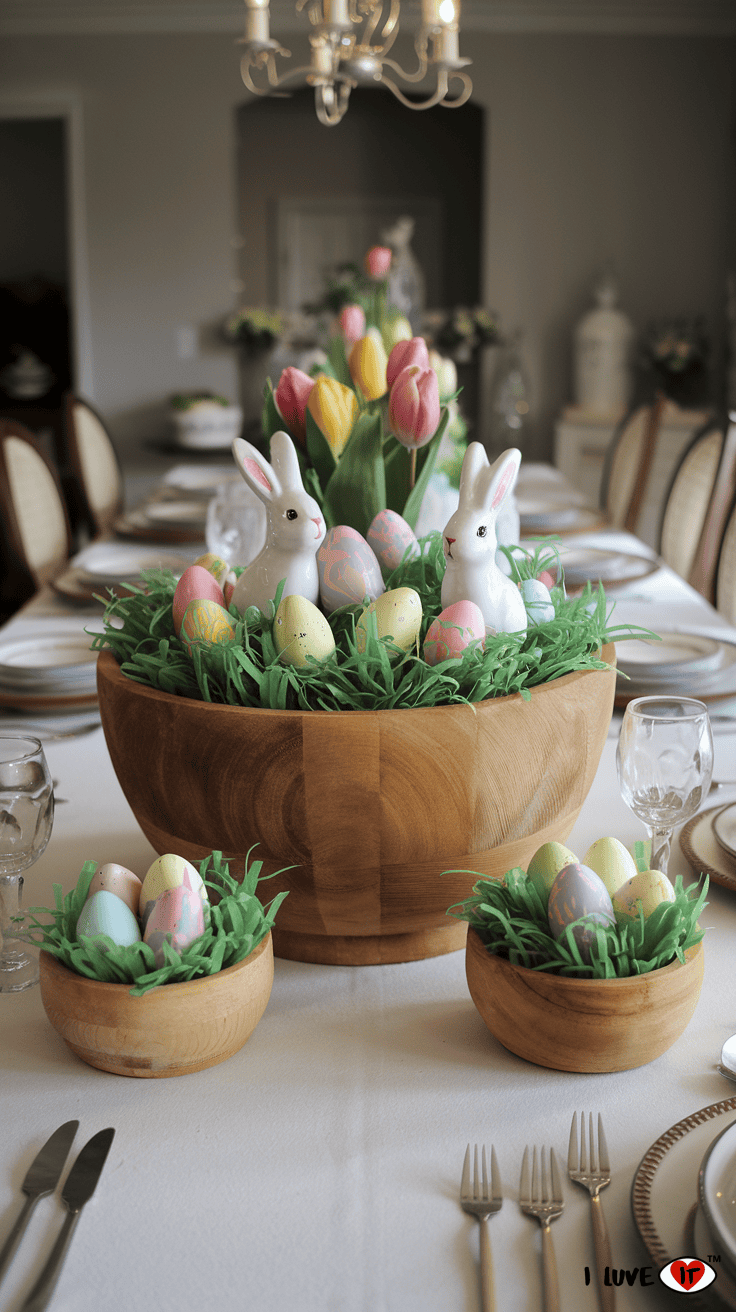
[(35, 537), (89, 468), (624, 472), (687, 504)]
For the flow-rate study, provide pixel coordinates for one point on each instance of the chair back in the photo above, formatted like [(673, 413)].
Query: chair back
[(90, 469), (36, 539), (686, 506), (726, 573), (623, 466)]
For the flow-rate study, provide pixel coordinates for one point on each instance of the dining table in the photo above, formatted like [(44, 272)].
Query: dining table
[(319, 1167)]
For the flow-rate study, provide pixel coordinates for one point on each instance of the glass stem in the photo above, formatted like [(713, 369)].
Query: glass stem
[(661, 840), (10, 888)]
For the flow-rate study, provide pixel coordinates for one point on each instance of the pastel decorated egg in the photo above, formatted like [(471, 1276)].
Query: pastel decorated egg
[(195, 584), (537, 600), (577, 892), (646, 889), (176, 915), (300, 631), (612, 862), (545, 866), (206, 621), (214, 565), (118, 880), (104, 913), (348, 569), (398, 615), (454, 630), (167, 872), (392, 538)]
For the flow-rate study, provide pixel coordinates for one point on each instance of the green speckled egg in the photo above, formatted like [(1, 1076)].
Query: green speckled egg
[(612, 862), (545, 866)]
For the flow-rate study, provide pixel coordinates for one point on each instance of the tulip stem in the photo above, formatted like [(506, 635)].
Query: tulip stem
[(412, 467)]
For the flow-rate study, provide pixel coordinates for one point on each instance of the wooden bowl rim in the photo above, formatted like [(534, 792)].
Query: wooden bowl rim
[(571, 981), (108, 666), (51, 963)]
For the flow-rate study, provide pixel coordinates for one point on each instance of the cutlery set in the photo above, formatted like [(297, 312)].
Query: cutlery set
[(41, 1179), (540, 1196)]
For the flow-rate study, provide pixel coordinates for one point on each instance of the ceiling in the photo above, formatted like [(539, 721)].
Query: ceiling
[(662, 17)]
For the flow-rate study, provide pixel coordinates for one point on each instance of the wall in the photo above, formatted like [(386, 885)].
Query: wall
[(597, 147)]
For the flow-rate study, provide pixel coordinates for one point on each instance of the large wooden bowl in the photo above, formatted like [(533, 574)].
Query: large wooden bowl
[(583, 1024), (368, 807), (172, 1030)]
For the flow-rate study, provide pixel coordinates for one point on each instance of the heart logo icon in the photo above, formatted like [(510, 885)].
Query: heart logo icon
[(686, 1273)]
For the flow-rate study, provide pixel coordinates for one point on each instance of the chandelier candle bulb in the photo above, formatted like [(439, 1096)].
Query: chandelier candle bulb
[(256, 21), (336, 14)]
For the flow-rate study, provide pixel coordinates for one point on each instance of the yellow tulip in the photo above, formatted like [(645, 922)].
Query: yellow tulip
[(334, 408), (367, 363)]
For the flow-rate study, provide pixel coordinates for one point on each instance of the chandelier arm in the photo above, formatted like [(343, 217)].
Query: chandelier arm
[(433, 100), (327, 116), (465, 94), (274, 81), (389, 31), (407, 77)]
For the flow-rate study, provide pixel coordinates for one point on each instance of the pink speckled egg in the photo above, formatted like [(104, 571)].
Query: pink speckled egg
[(206, 621), (450, 635), (116, 879), (576, 892), (176, 915), (195, 584), (391, 538), (348, 569)]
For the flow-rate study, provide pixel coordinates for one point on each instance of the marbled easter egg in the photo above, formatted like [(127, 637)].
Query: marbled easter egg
[(300, 631), (214, 565), (206, 621), (195, 584), (176, 915), (348, 569), (646, 889), (577, 892), (450, 635), (167, 872), (612, 862), (398, 615), (118, 880), (104, 913), (537, 600), (545, 866), (392, 538)]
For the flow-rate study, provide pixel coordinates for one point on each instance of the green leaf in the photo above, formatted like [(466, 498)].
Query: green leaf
[(339, 361), (320, 452), (357, 490), (424, 473), (271, 421)]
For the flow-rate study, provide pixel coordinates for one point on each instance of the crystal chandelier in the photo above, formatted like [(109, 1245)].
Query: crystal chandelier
[(350, 41)]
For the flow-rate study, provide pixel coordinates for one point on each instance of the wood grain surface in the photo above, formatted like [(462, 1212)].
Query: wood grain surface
[(589, 1025), (369, 808), (172, 1030)]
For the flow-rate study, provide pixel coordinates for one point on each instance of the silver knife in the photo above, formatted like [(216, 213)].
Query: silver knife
[(42, 1178), (78, 1189)]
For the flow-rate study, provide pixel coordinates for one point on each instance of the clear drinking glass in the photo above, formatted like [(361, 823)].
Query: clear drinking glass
[(26, 819), (665, 762), (236, 522)]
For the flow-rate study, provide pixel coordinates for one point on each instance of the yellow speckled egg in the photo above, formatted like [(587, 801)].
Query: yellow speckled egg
[(398, 616), (300, 631), (648, 889), (120, 881), (545, 866), (612, 862), (215, 565), (104, 913), (166, 872), (206, 621)]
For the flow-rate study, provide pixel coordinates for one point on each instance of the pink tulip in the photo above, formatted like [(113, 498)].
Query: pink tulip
[(414, 406), (352, 323), (377, 261), (291, 398), (405, 353)]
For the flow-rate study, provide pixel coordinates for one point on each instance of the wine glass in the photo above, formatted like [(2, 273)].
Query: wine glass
[(26, 819), (665, 762)]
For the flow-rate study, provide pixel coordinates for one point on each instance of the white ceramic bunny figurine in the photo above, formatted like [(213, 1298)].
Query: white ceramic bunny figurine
[(295, 526), (469, 542)]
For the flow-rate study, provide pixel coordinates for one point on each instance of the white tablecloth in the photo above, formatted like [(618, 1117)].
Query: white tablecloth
[(319, 1168)]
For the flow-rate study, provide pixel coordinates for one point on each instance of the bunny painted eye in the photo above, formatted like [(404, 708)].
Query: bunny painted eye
[(291, 514), (482, 531)]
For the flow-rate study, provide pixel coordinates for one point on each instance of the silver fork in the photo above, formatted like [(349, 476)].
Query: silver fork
[(593, 1177), (546, 1206), (482, 1202)]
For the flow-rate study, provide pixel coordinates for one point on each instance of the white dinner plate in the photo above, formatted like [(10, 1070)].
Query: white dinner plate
[(724, 828), (50, 663), (717, 1187), (703, 1244), (202, 479), (114, 561), (176, 512), (675, 654), (593, 564)]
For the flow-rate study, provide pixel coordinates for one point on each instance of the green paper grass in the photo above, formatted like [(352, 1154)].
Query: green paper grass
[(511, 920), (236, 925), (247, 671)]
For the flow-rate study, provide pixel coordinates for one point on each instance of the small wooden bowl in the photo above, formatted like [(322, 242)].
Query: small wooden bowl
[(589, 1025), (172, 1030)]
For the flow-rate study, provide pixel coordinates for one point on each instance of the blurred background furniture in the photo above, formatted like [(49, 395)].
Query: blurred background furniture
[(686, 504), (35, 537), (89, 470)]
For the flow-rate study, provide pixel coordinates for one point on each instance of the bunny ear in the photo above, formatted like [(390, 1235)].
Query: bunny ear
[(474, 462), (286, 461), (501, 478), (256, 471)]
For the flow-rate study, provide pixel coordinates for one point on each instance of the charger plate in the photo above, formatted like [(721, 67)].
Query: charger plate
[(717, 1186), (704, 853), (669, 1170), (596, 565)]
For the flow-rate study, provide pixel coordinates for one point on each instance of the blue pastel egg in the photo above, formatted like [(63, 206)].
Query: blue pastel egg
[(538, 601), (105, 913), (579, 892)]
